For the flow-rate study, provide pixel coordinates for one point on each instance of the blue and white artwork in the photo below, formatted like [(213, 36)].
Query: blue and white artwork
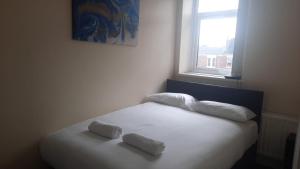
[(106, 21)]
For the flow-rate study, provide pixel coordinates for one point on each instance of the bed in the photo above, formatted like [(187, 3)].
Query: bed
[(193, 140)]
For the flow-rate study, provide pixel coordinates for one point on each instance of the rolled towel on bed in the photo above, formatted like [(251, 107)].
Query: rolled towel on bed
[(148, 145), (105, 130)]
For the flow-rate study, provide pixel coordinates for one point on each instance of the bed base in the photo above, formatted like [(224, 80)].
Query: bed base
[(248, 161)]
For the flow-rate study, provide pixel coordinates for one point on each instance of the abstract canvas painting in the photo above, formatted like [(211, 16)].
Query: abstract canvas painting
[(106, 21)]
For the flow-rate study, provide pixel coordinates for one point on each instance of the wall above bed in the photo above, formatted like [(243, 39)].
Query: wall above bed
[(49, 81)]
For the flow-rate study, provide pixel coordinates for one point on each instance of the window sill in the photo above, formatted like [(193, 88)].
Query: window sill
[(209, 79), (209, 76)]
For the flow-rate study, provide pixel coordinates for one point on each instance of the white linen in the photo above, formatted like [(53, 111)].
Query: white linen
[(193, 141), (172, 99), (153, 147), (106, 130), (223, 110)]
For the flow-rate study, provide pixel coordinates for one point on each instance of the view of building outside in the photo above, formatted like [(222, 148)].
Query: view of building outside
[(216, 35), (216, 57)]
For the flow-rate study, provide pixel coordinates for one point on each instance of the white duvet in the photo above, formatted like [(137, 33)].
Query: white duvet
[(193, 141)]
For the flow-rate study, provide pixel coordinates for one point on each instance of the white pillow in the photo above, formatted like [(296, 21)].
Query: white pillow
[(223, 110), (172, 99)]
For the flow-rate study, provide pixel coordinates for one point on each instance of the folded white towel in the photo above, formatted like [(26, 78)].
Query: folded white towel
[(148, 145), (105, 130)]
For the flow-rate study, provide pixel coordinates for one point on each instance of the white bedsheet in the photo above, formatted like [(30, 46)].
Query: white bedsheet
[(193, 141)]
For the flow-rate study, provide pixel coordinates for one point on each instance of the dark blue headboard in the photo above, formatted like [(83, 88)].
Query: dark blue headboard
[(247, 98)]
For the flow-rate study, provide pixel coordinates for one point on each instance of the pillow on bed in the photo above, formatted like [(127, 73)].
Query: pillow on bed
[(223, 110), (172, 99)]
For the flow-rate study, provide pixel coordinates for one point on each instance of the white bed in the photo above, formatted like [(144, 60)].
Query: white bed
[(193, 141)]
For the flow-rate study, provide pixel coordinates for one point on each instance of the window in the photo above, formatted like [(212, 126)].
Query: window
[(211, 61), (215, 23)]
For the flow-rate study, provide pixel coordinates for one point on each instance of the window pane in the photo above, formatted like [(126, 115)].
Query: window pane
[(216, 32), (217, 5), (216, 43)]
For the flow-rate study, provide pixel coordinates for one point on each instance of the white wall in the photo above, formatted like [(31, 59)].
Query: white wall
[(49, 81), (272, 61)]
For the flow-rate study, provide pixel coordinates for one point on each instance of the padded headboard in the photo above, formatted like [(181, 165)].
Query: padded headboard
[(247, 98)]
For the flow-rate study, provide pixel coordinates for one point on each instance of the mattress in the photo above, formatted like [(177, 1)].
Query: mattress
[(193, 141)]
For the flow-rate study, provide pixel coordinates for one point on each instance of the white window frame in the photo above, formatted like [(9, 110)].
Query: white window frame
[(196, 32)]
